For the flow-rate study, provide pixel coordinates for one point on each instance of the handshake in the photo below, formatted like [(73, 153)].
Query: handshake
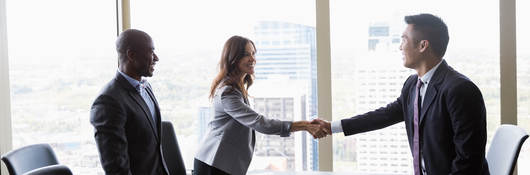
[(317, 127)]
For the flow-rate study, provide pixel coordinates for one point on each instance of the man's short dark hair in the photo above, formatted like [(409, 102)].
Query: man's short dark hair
[(431, 28)]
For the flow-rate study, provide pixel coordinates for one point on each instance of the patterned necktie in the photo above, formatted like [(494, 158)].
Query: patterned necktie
[(416, 140)]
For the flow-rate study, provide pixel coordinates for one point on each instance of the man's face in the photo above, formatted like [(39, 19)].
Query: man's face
[(410, 48), (145, 59)]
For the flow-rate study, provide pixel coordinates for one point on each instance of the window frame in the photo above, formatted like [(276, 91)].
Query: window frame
[(5, 107)]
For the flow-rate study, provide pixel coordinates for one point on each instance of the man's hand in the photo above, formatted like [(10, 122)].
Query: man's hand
[(325, 125), (316, 130)]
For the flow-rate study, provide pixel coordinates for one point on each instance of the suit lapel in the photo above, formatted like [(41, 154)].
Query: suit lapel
[(138, 99), (432, 89), (429, 97), (150, 92), (157, 108)]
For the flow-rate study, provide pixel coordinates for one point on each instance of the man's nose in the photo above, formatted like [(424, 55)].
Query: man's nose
[(155, 57)]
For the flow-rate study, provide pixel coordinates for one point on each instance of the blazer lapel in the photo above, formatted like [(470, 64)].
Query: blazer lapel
[(157, 108), (429, 97), (138, 99), (150, 92), (432, 89)]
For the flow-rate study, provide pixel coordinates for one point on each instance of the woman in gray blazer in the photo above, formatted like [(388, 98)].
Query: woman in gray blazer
[(229, 144)]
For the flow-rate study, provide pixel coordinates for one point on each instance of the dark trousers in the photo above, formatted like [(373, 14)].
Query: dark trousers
[(201, 168)]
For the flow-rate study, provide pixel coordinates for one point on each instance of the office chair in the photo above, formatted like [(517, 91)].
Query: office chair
[(504, 149), (28, 158), (171, 150), (51, 170)]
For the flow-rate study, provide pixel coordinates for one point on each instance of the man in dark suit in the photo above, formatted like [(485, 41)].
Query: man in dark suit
[(126, 116), (443, 110)]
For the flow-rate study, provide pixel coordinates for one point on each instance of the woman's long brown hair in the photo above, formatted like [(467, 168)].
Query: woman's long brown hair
[(229, 73)]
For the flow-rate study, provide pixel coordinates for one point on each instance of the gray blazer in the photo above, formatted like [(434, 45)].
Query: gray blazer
[(229, 142)]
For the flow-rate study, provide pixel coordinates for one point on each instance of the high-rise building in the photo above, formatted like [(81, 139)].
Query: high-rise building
[(379, 78), (287, 51), (280, 99), (381, 38), (269, 146)]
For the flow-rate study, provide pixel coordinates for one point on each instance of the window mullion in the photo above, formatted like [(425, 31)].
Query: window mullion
[(325, 145)]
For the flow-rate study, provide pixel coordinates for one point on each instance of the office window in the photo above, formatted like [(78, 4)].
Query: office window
[(61, 53), (189, 37), (523, 80), (368, 73)]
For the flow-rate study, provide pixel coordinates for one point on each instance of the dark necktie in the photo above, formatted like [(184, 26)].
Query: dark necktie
[(416, 140)]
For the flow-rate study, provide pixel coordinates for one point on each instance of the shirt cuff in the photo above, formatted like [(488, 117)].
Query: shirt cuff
[(336, 126), (286, 129)]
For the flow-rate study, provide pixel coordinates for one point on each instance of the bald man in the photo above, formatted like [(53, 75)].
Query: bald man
[(126, 116)]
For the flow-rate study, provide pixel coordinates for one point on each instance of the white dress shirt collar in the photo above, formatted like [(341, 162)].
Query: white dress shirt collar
[(427, 77)]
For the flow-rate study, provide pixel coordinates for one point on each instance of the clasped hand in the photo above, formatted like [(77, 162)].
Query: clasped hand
[(317, 128)]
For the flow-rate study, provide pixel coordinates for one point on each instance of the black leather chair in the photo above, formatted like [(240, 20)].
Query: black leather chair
[(28, 158), (51, 170), (171, 150)]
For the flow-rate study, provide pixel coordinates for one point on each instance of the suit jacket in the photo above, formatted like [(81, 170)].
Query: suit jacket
[(229, 142), (452, 122), (128, 139)]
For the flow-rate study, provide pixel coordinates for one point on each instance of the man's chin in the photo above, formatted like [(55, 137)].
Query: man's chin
[(406, 64), (148, 74)]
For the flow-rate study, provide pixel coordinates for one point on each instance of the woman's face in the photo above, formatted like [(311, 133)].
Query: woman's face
[(247, 63)]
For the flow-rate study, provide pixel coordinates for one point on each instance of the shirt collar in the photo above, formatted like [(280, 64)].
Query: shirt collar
[(427, 77), (135, 83)]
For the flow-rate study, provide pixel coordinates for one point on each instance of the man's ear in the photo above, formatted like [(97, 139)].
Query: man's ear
[(130, 55), (424, 44)]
